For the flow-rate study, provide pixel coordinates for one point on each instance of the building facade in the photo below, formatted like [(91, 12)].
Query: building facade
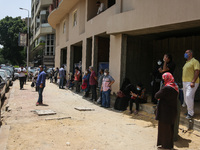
[(129, 35), (42, 42)]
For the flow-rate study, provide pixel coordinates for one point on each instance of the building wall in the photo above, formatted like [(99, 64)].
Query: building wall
[(126, 17)]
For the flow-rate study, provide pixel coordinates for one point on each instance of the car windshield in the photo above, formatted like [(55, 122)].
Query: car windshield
[(7, 68)]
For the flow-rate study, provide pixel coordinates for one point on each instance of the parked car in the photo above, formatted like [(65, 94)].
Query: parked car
[(16, 74), (9, 75), (2, 88), (4, 75), (2, 94), (11, 69)]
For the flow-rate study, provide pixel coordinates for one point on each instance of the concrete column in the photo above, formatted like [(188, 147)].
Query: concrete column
[(84, 55), (95, 53), (118, 6), (71, 59), (57, 56), (117, 65)]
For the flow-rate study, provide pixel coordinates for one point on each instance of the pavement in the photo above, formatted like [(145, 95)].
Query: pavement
[(69, 128)]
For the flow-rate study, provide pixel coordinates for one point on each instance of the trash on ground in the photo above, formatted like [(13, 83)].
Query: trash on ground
[(60, 118)]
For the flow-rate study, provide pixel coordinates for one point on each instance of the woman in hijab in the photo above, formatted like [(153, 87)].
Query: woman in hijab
[(166, 111)]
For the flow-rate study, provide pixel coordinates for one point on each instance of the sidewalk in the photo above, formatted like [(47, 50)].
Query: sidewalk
[(102, 129)]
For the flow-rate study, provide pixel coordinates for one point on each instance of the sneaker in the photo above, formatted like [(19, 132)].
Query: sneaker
[(188, 116), (37, 104)]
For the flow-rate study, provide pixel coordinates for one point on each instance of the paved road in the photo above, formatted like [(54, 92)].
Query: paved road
[(102, 129)]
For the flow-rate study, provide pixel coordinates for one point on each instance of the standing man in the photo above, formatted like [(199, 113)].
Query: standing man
[(106, 88), (190, 78), (22, 76), (40, 83), (93, 83), (62, 76)]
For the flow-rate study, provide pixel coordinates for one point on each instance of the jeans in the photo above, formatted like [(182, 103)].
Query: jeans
[(106, 98), (40, 99), (189, 94), (94, 92), (21, 81), (61, 82)]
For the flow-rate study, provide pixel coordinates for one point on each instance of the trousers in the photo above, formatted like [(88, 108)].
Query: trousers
[(189, 94), (40, 98)]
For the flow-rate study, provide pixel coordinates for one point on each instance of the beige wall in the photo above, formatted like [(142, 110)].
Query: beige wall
[(155, 13), (126, 16)]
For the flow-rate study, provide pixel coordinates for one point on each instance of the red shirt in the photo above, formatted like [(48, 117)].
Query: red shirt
[(92, 78)]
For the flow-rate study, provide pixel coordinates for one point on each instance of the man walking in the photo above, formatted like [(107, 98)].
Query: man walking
[(22, 76), (40, 83), (190, 78), (106, 88), (62, 76), (93, 83)]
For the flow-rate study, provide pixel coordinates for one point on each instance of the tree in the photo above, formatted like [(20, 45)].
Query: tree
[(9, 32)]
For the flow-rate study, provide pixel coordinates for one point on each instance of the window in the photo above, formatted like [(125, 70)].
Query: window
[(64, 27), (49, 46), (75, 18)]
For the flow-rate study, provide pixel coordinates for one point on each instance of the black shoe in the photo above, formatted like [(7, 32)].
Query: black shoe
[(91, 99)]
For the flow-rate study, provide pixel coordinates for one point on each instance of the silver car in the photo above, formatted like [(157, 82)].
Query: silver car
[(4, 76), (9, 76)]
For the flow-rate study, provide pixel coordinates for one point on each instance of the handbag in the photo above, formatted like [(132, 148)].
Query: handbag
[(120, 94)]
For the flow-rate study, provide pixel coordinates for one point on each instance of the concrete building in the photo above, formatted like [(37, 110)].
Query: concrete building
[(130, 35), (42, 45)]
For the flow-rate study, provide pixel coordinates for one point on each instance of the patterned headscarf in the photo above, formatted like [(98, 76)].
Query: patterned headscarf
[(169, 81)]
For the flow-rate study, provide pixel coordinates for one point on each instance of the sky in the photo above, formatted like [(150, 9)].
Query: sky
[(11, 8)]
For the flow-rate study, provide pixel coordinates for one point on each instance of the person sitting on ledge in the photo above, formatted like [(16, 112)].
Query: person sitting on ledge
[(138, 96)]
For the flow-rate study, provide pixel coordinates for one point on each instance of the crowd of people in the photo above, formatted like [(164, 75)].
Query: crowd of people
[(165, 91), (86, 82)]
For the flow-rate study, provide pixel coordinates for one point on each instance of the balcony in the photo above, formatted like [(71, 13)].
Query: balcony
[(57, 13), (43, 29)]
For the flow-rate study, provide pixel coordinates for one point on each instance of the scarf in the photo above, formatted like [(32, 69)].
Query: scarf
[(169, 81)]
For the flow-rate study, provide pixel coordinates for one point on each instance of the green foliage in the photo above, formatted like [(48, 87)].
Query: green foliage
[(9, 32)]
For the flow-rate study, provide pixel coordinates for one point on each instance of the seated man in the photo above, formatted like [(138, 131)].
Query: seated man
[(101, 7), (138, 96)]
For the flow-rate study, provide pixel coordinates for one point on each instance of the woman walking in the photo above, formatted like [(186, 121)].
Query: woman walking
[(166, 111)]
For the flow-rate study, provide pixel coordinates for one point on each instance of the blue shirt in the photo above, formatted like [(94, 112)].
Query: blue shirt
[(41, 79), (61, 72)]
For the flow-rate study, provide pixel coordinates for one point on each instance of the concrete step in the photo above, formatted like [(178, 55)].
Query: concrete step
[(189, 123), (4, 133)]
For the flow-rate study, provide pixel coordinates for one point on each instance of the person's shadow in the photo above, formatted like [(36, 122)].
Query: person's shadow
[(43, 105), (181, 143)]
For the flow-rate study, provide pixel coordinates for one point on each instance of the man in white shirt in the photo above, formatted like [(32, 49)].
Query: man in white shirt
[(101, 7), (22, 76)]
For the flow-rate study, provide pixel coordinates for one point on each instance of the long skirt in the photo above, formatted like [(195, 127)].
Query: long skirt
[(121, 103), (165, 135)]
